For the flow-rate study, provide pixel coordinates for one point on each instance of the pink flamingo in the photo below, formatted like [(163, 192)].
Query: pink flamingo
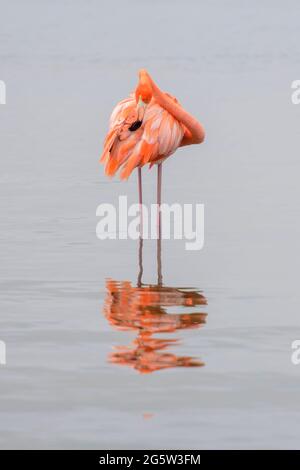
[(147, 127)]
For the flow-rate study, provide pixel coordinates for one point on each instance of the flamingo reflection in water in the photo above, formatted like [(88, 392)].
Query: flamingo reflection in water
[(144, 308)]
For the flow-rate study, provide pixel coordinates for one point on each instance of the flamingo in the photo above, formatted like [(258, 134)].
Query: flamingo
[(146, 128)]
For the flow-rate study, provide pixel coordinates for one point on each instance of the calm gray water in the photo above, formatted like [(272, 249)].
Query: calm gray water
[(65, 65)]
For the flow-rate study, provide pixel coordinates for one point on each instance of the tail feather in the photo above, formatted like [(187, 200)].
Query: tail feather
[(132, 163), (109, 141)]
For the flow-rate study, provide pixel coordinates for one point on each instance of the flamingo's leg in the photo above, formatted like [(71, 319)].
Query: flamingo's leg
[(159, 179), (159, 176), (139, 280), (159, 267), (140, 200)]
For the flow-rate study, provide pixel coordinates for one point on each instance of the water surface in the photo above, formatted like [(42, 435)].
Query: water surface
[(230, 310)]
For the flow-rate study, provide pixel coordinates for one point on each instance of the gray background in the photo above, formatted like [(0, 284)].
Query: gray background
[(66, 64)]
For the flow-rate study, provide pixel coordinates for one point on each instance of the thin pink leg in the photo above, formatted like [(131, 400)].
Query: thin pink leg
[(159, 267), (159, 175), (139, 280), (159, 270), (140, 200)]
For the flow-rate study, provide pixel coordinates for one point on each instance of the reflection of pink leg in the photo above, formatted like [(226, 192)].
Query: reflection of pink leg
[(140, 200), (159, 174)]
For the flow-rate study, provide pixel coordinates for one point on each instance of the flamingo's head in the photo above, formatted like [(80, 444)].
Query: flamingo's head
[(143, 92)]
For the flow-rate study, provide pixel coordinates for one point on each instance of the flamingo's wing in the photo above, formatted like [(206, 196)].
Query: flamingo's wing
[(131, 143), (123, 115)]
